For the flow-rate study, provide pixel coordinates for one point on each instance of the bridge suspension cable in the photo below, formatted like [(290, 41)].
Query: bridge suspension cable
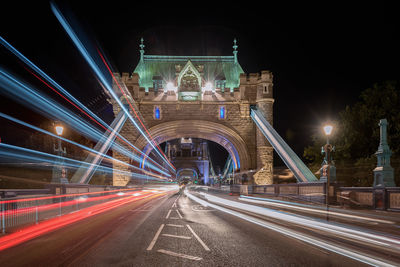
[(292, 161)]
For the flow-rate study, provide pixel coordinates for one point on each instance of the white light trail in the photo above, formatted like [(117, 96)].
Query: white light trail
[(356, 255), (89, 59)]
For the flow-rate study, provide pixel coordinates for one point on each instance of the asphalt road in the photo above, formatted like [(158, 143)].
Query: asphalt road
[(169, 230)]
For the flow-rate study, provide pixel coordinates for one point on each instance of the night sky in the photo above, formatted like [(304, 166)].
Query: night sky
[(322, 54)]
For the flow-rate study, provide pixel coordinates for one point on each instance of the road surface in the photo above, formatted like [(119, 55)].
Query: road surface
[(168, 230)]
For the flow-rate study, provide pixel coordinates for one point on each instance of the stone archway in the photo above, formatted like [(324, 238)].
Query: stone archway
[(207, 130)]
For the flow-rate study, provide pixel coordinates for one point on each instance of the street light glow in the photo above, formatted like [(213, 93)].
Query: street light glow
[(208, 86), (59, 129), (328, 129), (170, 86)]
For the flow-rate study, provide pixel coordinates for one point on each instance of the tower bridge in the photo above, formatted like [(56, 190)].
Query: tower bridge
[(181, 104), (206, 97)]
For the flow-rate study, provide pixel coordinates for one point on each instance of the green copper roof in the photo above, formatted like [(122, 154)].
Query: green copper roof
[(215, 67)]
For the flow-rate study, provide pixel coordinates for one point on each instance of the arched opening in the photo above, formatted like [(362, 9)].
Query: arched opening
[(211, 131), (197, 161)]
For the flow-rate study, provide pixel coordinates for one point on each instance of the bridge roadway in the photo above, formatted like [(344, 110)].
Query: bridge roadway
[(168, 230)]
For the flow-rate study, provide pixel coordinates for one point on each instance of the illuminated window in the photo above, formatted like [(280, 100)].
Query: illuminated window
[(158, 85), (157, 113), (220, 84), (222, 112)]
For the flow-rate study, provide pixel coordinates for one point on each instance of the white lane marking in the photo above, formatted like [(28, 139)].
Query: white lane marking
[(180, 216), (198, 238), (179, 255), (174, 218), (174, 205), (153, 242), (174, 225), (178, 236), (169, 212)]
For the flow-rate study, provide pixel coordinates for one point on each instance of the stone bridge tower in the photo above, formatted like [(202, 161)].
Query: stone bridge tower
[(206, 97)]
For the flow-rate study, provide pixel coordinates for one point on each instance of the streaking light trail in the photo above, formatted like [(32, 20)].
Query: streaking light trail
[(309, 208), (45, 105), (85, 53), (72, 142), (134, 110), (288, 232), (65, 95), (21, 153), (59, 222)]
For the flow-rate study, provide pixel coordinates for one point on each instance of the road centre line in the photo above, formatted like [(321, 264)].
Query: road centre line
[(174, 225), (153, 242), (179, 255), (198, 238), (178, 236)]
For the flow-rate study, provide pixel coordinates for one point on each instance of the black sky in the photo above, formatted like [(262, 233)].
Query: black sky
[(322, 54)]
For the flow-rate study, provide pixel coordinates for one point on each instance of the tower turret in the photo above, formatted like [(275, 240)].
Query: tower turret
[(265, 103)]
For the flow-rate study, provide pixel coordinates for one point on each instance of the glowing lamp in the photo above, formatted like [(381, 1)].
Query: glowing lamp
[(208, 86), (170, 86), (328, 129), (59, 129)]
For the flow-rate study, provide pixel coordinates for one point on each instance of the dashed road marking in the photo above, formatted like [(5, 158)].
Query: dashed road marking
[(169, 212), (198, 238), (180, 216), (174, 225), (153, 242), (171, 253), (178, 236)]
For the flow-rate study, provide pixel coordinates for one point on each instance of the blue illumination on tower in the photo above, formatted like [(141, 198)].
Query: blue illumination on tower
[(157, 114), (222, 112)]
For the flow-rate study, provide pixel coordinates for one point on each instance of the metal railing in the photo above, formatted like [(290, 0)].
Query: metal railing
[(22, 211)]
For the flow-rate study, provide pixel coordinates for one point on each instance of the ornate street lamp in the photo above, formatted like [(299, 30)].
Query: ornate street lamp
[(328, 169), (59, 171)]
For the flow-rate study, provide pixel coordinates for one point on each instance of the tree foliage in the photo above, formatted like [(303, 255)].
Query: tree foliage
[(357, 133)]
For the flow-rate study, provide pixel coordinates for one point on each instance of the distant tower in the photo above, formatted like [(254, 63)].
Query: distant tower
[(383, 173)]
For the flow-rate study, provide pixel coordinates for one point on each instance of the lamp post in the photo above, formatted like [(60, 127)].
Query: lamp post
[(59, 172), (328, 169)]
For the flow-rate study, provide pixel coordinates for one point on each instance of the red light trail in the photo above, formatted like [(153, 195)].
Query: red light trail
[(50, 225)]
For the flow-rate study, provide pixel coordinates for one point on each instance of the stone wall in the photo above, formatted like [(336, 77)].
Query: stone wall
[(255, 89)]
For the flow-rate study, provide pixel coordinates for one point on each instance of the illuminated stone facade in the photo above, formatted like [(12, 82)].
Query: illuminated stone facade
[(206, 97), (190, 157)]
